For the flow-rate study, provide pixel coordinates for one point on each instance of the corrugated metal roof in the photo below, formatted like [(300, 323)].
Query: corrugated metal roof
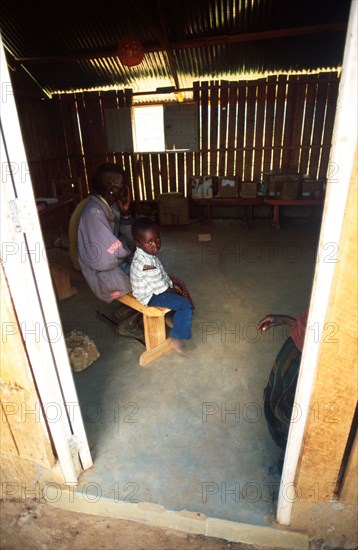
[(74, 49)]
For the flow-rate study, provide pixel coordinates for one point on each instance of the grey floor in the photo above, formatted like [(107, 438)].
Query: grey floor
[(189, 432)]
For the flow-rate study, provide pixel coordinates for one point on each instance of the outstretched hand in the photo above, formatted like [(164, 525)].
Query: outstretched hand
[(273, 321)]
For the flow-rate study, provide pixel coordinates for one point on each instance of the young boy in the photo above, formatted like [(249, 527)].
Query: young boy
[(152, 286)]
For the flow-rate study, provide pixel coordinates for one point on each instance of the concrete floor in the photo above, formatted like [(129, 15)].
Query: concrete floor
[(188, 433)]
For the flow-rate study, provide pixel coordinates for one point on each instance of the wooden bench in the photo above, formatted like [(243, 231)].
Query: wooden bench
[(156, 342), (276, 203), (247, 203)]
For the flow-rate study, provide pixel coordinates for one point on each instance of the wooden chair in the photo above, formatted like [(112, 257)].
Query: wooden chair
[(156, 342), (70, 188)]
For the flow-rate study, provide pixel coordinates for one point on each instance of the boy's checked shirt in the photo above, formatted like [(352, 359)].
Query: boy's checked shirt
[(147, 276)]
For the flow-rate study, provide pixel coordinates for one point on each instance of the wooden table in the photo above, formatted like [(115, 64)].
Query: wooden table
[(248, 203), (54, 220), (276, 203)]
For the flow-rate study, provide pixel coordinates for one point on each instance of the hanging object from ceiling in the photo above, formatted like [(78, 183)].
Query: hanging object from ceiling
[(130, 51)]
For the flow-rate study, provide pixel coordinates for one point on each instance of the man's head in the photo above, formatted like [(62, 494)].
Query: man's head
[(109, 181), (146, 235)]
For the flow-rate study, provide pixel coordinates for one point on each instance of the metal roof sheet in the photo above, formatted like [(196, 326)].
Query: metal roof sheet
[(67, 48)]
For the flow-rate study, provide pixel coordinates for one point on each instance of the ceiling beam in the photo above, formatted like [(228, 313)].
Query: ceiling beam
[(192, 43), (161, 35)]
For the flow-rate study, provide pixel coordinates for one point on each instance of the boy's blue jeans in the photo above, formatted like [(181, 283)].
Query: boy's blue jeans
[(183, 313)]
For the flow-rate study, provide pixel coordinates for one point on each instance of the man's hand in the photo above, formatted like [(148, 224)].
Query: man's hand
[(273, 321), (124, 202)]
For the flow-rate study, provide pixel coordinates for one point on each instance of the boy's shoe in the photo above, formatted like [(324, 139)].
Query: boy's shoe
[(178, 345), (169, 320)]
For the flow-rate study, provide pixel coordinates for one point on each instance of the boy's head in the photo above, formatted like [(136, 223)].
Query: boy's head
[(146, 235)]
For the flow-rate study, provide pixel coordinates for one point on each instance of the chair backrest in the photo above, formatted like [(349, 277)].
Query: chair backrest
[(72, 232), (68, 188)]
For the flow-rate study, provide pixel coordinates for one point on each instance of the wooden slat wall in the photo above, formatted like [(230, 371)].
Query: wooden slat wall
[(239, 145), (246, 128), (75, 167), (328, 129), (230, 169)]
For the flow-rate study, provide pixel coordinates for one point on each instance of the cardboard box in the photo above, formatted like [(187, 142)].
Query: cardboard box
[(288, 189), (228, 187), (248, 190), (284, 186), (312, 189), (201, 187), (173, 209)]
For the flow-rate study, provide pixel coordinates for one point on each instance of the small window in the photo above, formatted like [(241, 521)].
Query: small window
[(148, 129), (154, 128)]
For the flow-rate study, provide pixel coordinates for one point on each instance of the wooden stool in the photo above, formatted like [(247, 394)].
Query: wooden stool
[(156, 342), (61, 281)]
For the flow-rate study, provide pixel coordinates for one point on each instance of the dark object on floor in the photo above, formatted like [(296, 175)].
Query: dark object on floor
[(82, 351), (129, 325)]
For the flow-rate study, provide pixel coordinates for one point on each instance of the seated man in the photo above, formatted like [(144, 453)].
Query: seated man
[(105, 246)]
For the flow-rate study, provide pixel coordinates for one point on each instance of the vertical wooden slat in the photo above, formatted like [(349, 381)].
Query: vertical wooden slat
[(57, 146), (180, 174), (122, 100), (269, 123), (213, 127), (240, 130), (136, 183), (298, 120), (172, 173), (81, 110), (204, 127), (109, 101), (280, 110), (308, 121), (189, 162), (318, 124), (139, 174), (155, 174), (197, 155), (128, 96), (73, 140), (260, 116), (223, 126), (291, 105), (231, 170), (147, 175), (164, 172), (95, 152), (249, 133), (328, 128)]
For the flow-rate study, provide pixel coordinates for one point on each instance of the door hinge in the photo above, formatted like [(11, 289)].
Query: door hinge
[(20, 215)]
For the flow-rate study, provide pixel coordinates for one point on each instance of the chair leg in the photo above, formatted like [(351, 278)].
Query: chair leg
[(156, 342)]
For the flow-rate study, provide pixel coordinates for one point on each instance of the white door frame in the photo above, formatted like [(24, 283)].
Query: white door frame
[(26, 268), (344, 143)]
